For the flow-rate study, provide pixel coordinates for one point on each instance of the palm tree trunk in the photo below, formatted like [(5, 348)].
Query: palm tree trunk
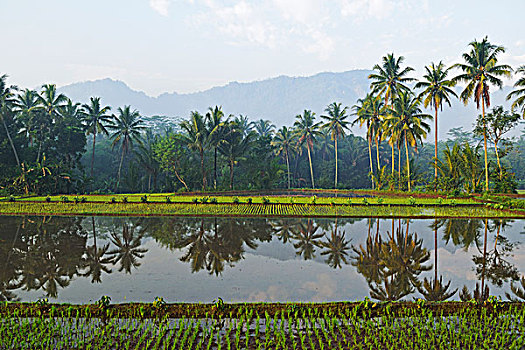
[(399, 166), (485, 143), (11, 142), (231, 174), (408, 162), (436, 148), (311, 168), (377, 153), (287, 167), (202, 170), (215, 170), (393, 166), (497, 158), (370, 158), (335, 141), (119, 169), (93, 154)]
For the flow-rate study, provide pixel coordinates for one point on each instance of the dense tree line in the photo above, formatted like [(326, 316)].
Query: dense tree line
[(45, 139)]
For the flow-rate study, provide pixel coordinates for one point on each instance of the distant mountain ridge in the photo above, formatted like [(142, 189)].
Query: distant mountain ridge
[(277, 99)]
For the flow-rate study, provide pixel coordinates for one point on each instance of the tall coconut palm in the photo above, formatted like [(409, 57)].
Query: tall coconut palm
[(371, 110), (283, 141), (307, 131), (215, 120), (336, 123), (519, 92), (234, 145), (6, 95), (51, 102), (26, 106), (127, 130), (196, 138), (437, 89), (95, 119), (389, 80), (481, 70), (409, 122)]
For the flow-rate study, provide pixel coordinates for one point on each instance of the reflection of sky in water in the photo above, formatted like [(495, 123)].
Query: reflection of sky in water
[(273, 272)]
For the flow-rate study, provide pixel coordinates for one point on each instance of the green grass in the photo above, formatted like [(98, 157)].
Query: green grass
[(362, 325), (253, 210), (268, 206)]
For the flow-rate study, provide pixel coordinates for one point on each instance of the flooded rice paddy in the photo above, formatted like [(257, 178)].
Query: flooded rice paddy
[(79, 259)]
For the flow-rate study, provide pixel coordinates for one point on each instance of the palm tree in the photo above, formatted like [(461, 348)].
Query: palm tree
[(481, 70), (196, 138), (6, 95), (307, 131), (215, 126), (389, 80), (519, 92), (283, 141), (437, 89), (147, 159), (26, 104), (127, 129), (336, 123), (369, 111), (264, 127), (234, 146), (95, 120), (408, 121), (52, 102)]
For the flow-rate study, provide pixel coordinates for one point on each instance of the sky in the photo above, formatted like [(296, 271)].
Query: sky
[(185, 46)]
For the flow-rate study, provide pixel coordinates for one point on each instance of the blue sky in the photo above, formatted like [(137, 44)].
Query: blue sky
[(190, 45)]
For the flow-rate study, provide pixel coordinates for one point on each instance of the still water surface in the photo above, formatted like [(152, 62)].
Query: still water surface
[(79, 259)]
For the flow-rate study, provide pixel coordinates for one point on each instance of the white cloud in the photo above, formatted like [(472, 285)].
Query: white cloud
[(271, 23), (161, 6), (362, 9)]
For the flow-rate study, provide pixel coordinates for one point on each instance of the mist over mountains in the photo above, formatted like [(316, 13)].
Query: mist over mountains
[(277, 99)]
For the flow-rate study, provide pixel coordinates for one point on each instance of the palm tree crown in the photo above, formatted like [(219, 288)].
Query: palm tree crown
[(519, 92)]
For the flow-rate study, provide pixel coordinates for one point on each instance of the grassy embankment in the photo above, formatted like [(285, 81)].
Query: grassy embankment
[(159, 204), (363, 325)]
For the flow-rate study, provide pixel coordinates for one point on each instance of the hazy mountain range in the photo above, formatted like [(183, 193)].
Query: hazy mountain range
[(277, 99)]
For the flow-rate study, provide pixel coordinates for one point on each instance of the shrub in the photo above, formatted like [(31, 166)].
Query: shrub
[(124, 199), (64, 199), (144, 199), (213, 200), (168, 199), (236, 200), (48, 199), (113, 200), (249, 201)]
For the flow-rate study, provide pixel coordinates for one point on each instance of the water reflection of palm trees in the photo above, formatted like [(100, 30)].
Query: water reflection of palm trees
[(127, 249), (96, 258), (436, 290), (391, 267), (216, 242), (306, 239)]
